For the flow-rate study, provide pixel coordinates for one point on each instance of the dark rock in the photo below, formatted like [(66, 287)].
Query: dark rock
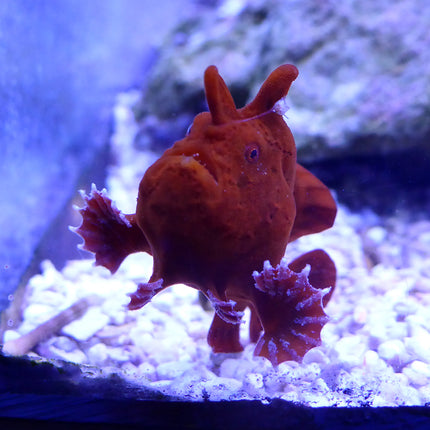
[(364, 83)]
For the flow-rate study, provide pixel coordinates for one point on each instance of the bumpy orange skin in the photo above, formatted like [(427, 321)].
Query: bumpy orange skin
[(216, 206)]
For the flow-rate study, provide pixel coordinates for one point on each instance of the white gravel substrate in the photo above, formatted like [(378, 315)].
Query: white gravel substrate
[(375, 349)]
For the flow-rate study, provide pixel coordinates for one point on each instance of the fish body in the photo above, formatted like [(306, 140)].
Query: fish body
[(215, 207)]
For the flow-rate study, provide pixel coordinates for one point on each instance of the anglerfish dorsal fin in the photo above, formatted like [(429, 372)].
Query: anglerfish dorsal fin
[(220, 101), (274, 88)]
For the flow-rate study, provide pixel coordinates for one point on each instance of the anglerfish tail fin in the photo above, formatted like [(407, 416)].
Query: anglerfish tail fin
[(107, 232), (291, 313)]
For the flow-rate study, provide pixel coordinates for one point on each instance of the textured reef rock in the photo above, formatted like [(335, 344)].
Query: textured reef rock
[(364, 84)]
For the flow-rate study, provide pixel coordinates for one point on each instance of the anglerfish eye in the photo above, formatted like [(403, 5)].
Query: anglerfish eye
[(252, 152)]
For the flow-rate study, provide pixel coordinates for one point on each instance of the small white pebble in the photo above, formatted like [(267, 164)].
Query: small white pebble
[(316, 355), (318, 396), (75, 356), (36, 313), (360, 314), (253, 383), (350, 350), (418, 345), (64, 343), (115, 310), (97, 354), (371, 359), (396, 393), (229, 368), (418, 373), (222, 388), (393, 351), (119, 354), (425, 394), (291, 396), (172, 369), (376, 234), (10, 335), (161, 385), (274, 382), (147, 370), (87, 326)]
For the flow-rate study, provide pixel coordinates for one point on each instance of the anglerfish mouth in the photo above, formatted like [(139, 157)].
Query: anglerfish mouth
[(196, 156)]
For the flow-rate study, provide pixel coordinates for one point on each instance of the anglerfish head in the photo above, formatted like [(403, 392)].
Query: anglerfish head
[(233, 173)]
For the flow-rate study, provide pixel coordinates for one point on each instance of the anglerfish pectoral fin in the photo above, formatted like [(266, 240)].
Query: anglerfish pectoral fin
[(107, 232), (224, 332), (144, 294), (227, 310), (224, 336), (291, 313)]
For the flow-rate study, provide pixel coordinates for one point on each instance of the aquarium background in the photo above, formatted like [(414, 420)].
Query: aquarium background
[(62, 64), (95, 91)]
